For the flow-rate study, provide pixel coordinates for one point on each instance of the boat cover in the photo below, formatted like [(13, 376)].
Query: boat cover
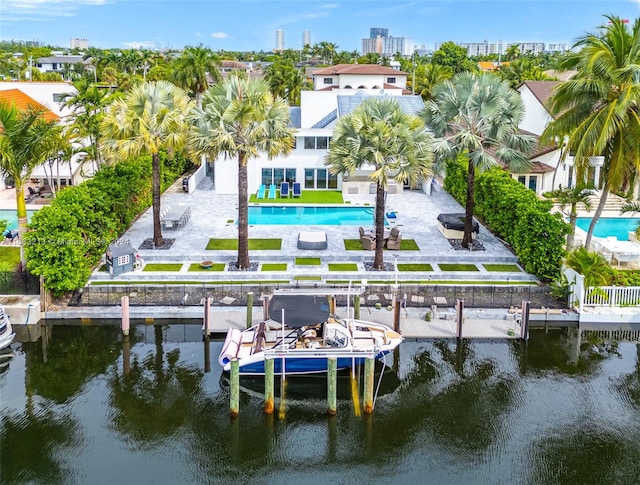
[(299, 310), (456, 222)]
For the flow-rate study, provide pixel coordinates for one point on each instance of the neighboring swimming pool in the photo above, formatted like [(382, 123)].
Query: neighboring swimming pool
[(610, 226), (311, 216), (12, 217)]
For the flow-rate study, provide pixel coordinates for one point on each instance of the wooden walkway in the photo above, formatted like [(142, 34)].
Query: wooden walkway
[(410, 327)]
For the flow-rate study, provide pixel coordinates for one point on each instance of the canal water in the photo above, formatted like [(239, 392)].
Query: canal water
[(80, 406)]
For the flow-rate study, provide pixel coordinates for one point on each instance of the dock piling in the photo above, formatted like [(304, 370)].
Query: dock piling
[(124, 303), (249, 309), (524, 323), (356, 307), (207, 317), (368, 384), (269, 385), (459, 317), (265, 307), (332, 385), (234, 401)]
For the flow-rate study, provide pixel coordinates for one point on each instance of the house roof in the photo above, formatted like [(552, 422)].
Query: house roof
[(60, 59), (295, 114), (542, 90), (408, 104), (22, 101), (356, 69), (231, 64)]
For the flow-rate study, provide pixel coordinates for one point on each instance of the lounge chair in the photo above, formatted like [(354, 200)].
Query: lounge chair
[(297, 189), (272, 191), (364, 233), (368, 243), (394, 239), (261, 190), (284, 189)]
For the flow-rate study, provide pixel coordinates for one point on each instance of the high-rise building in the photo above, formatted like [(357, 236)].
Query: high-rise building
[(306, 38), (279, 40), (79, 43), (378, 32), (388, 46)]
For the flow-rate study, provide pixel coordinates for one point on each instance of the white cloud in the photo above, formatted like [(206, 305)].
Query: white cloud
[(219, 35), (42, 10), (198, 34)]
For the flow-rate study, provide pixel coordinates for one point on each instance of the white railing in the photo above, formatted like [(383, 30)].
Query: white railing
[(612, 296)]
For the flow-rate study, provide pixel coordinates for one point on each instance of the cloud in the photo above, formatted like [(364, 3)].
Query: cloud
[(144, 44), (43, 10), (219, 35)]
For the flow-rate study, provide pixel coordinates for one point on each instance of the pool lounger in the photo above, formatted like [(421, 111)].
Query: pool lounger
[(312, 240)]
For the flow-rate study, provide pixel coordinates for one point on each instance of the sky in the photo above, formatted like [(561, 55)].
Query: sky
[(243, 25)]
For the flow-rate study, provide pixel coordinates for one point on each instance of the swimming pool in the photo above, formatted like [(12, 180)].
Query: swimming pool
[(12, 217), (610, 226), (311, 216)]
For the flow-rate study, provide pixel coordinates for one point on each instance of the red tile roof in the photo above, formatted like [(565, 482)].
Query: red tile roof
[(356, 69), (22, 101), (542, 90)]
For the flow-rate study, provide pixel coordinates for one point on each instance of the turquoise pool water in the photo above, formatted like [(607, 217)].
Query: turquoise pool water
[(311, 216), (12, 217), (610, 226)]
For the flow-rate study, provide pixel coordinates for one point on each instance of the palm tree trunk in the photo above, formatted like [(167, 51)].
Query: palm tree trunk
[(378, 259), (22, 214), (573, 216), (468, 217), (243, 216), (158, 241), (596, 216)]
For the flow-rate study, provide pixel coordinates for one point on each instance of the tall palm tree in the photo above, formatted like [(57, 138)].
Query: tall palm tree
[(571, 197), (597, 109), (241, 118), (380, 136), (150, 118), (591, 265), (27, 139), (477, 115), (191, 70)]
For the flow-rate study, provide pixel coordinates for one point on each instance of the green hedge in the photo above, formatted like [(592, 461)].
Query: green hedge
[(516, 215), (67, 238)]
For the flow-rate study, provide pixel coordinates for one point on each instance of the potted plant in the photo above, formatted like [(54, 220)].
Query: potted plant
[(9, 182)]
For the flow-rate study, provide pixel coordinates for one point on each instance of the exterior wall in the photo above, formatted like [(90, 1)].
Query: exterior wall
[(44, 93), (355, 80), (315, 105), (536, 117)]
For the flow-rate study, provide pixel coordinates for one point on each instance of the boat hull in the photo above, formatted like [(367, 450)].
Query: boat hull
[(6, 335)]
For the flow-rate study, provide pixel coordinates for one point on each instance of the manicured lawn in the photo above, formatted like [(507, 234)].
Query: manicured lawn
[(308, 278), (214, 267), (11, 255), (307, 197), (274, 267), (405, 245), (165, 282), (502, 268), (414, 267), (162, 267), (458, 267), (343, 267), (254, 244), (308, 262)]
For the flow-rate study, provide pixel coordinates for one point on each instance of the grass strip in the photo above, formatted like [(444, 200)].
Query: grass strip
[(457, 267), (10, 255), (213, 267), (254, 244), (343, 267), (179, 283), (273, 267), (308, 278), (162, 267), (414, 267), (405, 245), (308, 262), (307, 197), (502, 268)]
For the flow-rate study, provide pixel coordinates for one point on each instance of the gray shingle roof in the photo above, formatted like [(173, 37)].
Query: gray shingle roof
[(327, 120), (408, 104), (296, 117)]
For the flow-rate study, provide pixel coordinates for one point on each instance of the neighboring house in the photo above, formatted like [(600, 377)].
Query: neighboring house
[(49, 94), (314, 121), (58, 63), (360, 76), (61, 174), (229, 67)]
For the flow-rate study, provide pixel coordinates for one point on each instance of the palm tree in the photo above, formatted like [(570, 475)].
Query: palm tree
[(591, 265), (428, 76), (192, 67), (150, 118), (571, 197), (27, 139), (597, 109), (380, 136), (477, 115), (241, 118)]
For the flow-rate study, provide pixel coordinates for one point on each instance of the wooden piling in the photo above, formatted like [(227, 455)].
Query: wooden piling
[(207, 355), (249, 309), (368, 384), (332, 385), (234, 401), (524, 323), (124, 303), (126, 355), (459, 317), (356, 307), (396, 315), (265, 308), (269, 385), (207, 317)]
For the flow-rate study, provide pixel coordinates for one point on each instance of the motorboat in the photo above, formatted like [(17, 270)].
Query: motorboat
[(300, 335), (6, 332)]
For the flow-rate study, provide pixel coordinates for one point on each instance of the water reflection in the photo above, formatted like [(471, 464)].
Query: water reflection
[(563, 408)]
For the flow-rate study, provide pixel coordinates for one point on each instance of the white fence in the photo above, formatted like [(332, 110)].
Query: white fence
[(612, 296)]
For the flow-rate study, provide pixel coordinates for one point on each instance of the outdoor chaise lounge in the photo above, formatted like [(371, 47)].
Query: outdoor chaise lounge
[(272, 191), (452, 226), (297, 189), (261, 191), (312, 240), (284, 189)]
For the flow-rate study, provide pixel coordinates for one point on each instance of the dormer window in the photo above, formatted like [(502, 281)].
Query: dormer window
[(391, 80), (327, 80)]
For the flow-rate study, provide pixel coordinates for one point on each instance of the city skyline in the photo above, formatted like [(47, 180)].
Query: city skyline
[(252, 26)]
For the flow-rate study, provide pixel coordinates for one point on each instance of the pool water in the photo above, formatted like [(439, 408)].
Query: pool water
[(610, 226), (12, 217), (311, 216)]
